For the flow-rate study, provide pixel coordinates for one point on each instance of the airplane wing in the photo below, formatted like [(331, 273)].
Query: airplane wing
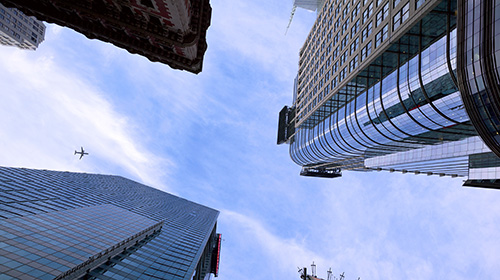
[(82, 150), (81, 156)]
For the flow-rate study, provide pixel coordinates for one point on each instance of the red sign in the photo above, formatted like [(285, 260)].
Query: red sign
[(219, 237)]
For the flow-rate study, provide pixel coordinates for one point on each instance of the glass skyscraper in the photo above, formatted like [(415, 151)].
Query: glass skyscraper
[(409, 86), (63, 225)]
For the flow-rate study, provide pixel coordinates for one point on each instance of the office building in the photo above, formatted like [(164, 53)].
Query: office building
[(63, 225), (17, 29), (167, 31), (398, 85)]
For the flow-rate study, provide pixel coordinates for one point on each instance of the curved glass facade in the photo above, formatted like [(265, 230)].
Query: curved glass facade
[(479, 62), (416, 105), (409, 86)]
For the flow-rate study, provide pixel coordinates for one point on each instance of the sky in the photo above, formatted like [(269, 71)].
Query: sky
[(211, 138)]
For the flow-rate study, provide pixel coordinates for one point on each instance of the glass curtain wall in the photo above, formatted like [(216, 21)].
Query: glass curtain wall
[(479, 62), (416, 105)]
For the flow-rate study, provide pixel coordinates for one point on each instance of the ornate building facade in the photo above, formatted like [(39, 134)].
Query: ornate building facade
[(167, 31)]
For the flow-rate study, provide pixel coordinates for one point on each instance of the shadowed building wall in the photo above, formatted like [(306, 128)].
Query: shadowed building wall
[(167, 31)]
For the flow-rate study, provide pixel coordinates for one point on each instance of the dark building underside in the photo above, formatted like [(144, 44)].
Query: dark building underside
[(148, 35)]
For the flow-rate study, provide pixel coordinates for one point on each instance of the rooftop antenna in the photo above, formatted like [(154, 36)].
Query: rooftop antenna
[(303, 273), (329, 274), (304, 276), (313, 269)]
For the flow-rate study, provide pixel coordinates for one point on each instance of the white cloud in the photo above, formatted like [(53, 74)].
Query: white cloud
[(256, 32), (48, 111), (268, 255)]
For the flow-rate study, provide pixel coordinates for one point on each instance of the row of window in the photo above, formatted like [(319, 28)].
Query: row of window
[(354, 30), (310, 56)]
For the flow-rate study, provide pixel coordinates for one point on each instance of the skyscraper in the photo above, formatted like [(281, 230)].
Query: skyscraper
[(62, 225), (168, 31), (378, 89), (17, 29)]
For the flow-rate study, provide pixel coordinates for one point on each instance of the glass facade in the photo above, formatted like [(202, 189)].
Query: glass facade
[(422, 97), (61, 225), (409, 108), (479, 44)]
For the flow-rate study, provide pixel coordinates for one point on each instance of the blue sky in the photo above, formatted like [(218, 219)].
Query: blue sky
[(211, 138)]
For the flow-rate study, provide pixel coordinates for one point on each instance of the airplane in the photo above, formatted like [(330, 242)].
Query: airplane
[(82, 153)]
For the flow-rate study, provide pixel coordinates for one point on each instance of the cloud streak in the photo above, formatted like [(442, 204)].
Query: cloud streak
[(50, 111)]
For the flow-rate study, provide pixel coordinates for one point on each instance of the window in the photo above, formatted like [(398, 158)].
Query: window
[(345, 26), (396, 2), (344, 42), (382, 14), (396, 20), (367, 31), (353, 64), (355, 29), (346, 11), (355, 11), (368, 12), (405, 12), (335, 67), (401, 16), (379, 2), (333, 84), (343, 58), (354, 45), (342, 74), (366, 50), (381, 36)]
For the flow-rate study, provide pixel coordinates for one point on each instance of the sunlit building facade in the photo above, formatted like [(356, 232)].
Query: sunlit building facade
[(19, 30), (63, 225), (167, 31), (378, 89)]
